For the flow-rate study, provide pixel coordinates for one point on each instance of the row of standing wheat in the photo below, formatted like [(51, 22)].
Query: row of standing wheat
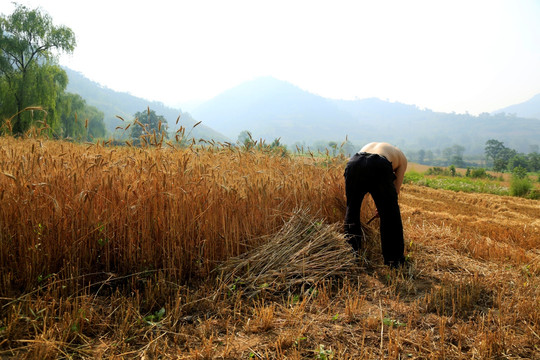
[(71, 210)]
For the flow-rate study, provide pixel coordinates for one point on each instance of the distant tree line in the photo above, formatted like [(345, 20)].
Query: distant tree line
[(452, 155), (502, 158), (30, 78), (497, 156), (246, 141)]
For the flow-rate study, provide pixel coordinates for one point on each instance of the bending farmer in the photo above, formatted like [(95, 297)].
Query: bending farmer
[(377, 169)]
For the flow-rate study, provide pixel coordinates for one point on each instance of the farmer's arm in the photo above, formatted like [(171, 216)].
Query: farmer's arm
[(400, 171)]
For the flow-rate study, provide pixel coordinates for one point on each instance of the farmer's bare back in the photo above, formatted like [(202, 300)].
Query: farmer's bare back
[(394, 155)]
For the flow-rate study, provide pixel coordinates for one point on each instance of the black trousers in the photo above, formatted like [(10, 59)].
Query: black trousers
[(373, 173)]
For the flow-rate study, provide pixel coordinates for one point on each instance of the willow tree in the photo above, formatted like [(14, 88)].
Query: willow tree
[(29, 43), (78, 120)]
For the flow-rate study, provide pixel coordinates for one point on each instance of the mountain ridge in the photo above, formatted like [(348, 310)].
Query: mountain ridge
[(271, 102), (114, 103), (528, 109), (271, 108)]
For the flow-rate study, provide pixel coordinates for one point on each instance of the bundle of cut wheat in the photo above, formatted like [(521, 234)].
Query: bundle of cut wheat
[(304, 251)]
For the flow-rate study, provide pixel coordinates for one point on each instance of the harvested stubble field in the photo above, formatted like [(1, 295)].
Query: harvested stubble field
[(162, 253)]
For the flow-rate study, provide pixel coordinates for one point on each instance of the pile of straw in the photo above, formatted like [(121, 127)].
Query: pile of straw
[(303, 252)]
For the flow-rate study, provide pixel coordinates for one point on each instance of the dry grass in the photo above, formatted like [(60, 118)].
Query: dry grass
[(109, 253), (303, 253)]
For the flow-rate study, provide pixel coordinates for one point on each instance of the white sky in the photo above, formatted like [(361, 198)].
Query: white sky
[(448, 56)]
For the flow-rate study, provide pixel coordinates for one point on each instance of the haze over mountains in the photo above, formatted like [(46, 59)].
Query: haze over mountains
[(527, 109), (113, 103), (271, 108)]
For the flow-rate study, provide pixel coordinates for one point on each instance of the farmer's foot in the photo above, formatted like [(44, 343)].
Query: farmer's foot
[(396, 264), (356, 243)]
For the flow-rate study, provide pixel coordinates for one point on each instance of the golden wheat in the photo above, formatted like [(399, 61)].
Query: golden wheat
[(108, 252)]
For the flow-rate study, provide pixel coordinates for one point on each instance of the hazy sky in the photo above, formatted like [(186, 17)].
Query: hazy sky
[(453, 55)]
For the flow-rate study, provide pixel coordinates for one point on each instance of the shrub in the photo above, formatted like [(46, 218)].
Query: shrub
[(519, 172), (437, 171), (478, 173), (520, 186)]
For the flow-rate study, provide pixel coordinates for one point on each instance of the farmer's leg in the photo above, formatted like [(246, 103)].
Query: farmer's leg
[(353, 228), (386, 200), (355, 194)]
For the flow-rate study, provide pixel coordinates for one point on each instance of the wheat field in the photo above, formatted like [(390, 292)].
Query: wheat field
[(116, 252)]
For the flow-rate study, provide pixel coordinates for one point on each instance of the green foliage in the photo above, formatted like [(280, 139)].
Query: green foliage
[(246, 140), (444, 180), (452, 170), (43, 86), (519, 172), (155, 318), (324, 354), (520, 186), (437, 171), (493, 149), (454, 155), (499, 153), (534, 161), (70, 106), (508, 159), (96, 125), (29, 75), (477, 173), (78, 120), (441, 178), (148, 127), (518, 160), (412, 177), (534, 194), (465, 185), (279, 148), (393, 323)]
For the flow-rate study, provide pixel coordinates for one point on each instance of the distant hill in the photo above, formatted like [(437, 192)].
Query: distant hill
[(270, 108), (527, 109), (412, 128), (113, 103)]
